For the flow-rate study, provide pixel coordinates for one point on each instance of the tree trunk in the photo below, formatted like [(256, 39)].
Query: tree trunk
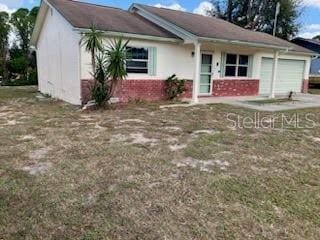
[(5, 68), (4, 64), (93, 61), (229, 10), (249, 15)]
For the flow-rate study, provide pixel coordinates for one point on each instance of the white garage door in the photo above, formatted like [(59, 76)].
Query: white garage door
[(289, 76)]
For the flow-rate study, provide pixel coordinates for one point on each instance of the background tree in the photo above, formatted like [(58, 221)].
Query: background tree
[(4, 42), (22, 62), (23, 21), (258, 15), (317, 38), (18, 63)]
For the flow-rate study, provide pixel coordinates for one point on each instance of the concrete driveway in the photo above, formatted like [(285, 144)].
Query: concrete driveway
[(300, 101)]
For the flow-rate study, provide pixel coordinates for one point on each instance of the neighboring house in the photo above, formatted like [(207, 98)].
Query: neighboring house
[(313, 45), (217, 57)]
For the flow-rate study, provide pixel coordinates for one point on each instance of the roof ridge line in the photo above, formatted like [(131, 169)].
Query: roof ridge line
[(94, 4), (191, 13)]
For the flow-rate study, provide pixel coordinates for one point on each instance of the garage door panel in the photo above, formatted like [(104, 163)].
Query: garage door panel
[(289, 76), (266, 75)]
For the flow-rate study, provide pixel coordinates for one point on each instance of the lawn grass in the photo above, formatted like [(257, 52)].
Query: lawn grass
[(141, 172), (314, 80), (314, 90)]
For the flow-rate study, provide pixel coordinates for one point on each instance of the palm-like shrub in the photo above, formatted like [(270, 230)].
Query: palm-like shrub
[(116, 55), (99, 90), (92, 40), (109, 70)]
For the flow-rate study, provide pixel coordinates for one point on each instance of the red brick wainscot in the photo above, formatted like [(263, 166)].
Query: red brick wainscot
[(235, 87), (150, 90), (305, 86)]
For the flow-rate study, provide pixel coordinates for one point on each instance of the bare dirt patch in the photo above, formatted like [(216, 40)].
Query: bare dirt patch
[(204, 131), (27, 137), (37, 168), (202, 165), (39, 153), (133, 138), (172, 128), (139, 138), (316, 139), (132, 121), (177, 147), (11, 122)]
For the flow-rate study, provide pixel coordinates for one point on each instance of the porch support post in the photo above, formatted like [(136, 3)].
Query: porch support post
[(274, 74), (196, 79)]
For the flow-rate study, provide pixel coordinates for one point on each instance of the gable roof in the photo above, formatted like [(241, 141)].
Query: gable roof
[(84, 15), (211, 27), (312, 44), (115, 20)]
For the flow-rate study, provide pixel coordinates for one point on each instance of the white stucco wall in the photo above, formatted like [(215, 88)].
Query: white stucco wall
[(177, 58), (58, 59), (172, 58), (257, 53)]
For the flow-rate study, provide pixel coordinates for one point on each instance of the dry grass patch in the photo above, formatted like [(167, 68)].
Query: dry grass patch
[(141, 172)]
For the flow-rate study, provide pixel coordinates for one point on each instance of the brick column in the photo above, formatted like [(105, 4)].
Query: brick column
[(305, 86)]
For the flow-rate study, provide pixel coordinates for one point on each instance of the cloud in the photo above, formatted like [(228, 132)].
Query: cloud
[(309, 34), (310, 31), (313, 27), (12, 3), (12, 38), (174, 6), (204, 8), (311, 3), (5, 8)]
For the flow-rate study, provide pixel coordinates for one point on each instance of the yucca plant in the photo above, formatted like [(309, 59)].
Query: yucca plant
[(109, 69), (116, 55), (92, 40), (99, 90)]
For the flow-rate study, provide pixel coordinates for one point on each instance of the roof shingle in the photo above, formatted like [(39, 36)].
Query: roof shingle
[(84, 15), (211, 27)]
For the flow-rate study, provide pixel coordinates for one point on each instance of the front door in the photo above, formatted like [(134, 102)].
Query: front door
[(205, 74)]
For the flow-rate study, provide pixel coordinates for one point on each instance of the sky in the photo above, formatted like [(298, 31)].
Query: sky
[(309, 21)]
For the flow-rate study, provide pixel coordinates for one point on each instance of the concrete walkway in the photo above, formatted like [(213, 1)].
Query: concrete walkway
[(301, 101)]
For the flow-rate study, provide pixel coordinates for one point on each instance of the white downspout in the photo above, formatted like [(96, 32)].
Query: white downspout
[(196, 81), (274, 74)]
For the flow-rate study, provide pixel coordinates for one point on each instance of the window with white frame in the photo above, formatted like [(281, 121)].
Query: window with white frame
[(137, 60), (236, 65)]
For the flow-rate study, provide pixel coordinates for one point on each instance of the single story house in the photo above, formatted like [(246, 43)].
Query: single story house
[(313, 45), (216, 57)]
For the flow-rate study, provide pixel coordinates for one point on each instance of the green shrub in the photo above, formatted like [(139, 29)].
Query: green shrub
[(19, 82), (174, 87), (99, 91), (33, 77), (22, 81)]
